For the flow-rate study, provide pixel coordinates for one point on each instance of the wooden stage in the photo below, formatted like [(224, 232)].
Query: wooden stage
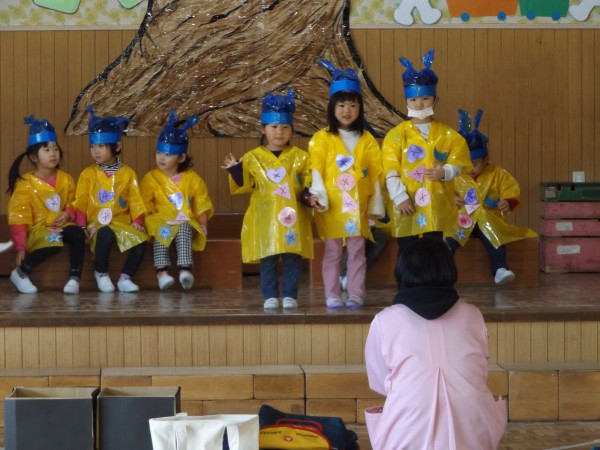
[(544, 348)]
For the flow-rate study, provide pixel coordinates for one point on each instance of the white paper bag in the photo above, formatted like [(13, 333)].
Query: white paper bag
[(183, 432)]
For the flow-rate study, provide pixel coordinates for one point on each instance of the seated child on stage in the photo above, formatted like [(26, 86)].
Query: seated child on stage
[(178, 204), (109, 204), (276, 224), (40, 209), (486, 195)]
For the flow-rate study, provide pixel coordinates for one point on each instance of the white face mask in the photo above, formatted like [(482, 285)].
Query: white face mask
[(420, 113)]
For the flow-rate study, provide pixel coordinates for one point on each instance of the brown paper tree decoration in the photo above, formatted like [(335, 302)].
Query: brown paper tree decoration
[(218, 59)]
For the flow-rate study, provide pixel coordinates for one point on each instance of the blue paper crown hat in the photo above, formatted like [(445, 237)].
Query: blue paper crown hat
[(278, 109), (105, 130), (40, 130), (476, 140), (341, 80), (173, 140), (419, 84)]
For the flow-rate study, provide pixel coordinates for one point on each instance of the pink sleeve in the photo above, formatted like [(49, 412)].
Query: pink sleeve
[(377, 370), (18, 234), (80, 218)]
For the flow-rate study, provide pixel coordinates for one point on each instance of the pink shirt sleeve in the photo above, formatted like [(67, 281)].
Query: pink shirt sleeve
[(377, 370), (18, 234)]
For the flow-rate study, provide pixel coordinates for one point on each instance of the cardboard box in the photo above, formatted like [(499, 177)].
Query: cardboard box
[(124, 412), (50, 418)]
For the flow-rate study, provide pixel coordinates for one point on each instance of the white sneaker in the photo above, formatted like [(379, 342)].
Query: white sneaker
[(126, 285), (23, 285), (354, 301), (289, 303), (343, 283), (271, 303), (335, 303), (72, 287), (165, 281), (5, 246), (504, 276), (103, 282), (186, 278)]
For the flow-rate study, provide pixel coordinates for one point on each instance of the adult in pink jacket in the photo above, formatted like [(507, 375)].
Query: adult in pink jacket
[(427, 354)]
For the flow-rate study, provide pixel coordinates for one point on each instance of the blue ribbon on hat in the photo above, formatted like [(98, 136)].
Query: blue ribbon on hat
[(419, 83), (105, 130), (278, 109), (40, 130), (341, 80), (173, 140), (476, 140)]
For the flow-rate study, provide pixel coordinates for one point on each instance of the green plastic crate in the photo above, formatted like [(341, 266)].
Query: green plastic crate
[(556, 191)]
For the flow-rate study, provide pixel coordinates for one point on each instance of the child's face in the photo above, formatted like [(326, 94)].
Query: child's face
[(47, 157), (346, 113), (419, 103), (278, 135), (102, 154), (167, 164), (478, 166)]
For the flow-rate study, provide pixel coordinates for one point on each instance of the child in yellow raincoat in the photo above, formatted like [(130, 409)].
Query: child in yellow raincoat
[(40, 209), (178, 204), (109, 204), (421, 158), (486, 195), (345, 164), (276, 224)]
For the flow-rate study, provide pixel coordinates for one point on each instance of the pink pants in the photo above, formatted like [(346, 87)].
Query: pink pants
[(357, 266)]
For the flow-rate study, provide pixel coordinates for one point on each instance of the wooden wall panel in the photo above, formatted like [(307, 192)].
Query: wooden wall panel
[(540, 89), (247, 345)]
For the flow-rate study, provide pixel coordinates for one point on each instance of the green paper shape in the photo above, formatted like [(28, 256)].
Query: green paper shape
[(128, 4), (64, 6), (544, 8)]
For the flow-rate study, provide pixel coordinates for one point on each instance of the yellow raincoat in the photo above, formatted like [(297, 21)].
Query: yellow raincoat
[(36, 204), (276, 221), (349, 181), (113, 201), (481, 207), (171, 204), (405, 151)]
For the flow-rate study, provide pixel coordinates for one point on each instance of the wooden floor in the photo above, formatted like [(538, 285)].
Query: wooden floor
[(560, 297)]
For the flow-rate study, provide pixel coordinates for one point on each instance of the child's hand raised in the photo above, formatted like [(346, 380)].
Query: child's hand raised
[(229, 161), (435, 173), (406, 208), (504, 206)]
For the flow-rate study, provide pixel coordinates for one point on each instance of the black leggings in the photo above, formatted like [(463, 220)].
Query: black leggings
[(72, 235), (105, 239)]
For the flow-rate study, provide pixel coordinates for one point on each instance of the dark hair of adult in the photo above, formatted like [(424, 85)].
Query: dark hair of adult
[(426, 262), (14, 173), (345, 96)]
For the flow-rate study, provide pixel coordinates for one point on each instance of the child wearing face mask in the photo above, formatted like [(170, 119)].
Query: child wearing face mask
[(485, 196), (345, 164), (421, 157)]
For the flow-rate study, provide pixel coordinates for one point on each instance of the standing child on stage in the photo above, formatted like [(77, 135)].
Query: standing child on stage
[(40, 209), (346, 165), (486, 195), (276, 224), (178, 204), (109, 204), (421, 157)]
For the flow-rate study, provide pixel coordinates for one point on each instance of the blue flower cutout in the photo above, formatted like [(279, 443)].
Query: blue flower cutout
[(422, 221), (460, 234), (165, 232), (290, 237), (54, 237), (471, 197), (351, 227)]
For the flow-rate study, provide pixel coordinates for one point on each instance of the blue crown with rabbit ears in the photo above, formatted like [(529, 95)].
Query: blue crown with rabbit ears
[(341, 80), (476, 140), (278, 109), (173, 140), (422, 83), (40, 130), (105, 130)]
